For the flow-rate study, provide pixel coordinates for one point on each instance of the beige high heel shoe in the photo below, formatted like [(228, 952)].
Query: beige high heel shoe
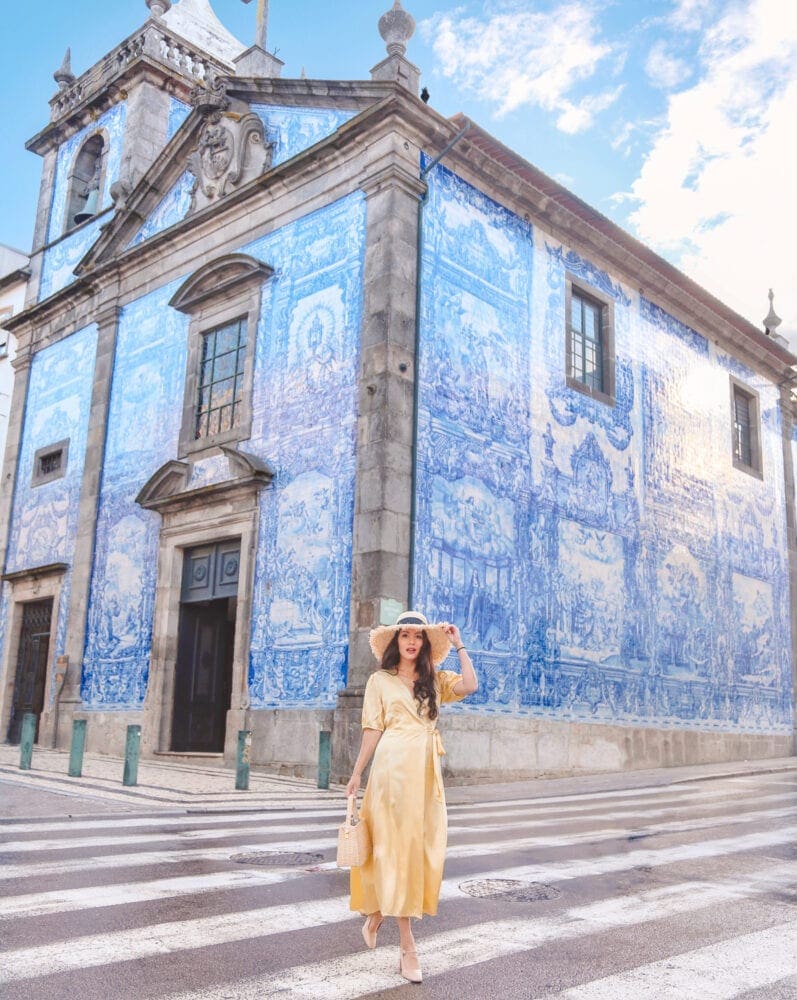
[(369, 936), (409, 966)]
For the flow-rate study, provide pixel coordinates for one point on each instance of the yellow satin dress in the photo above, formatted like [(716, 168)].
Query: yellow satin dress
[(404, 801)]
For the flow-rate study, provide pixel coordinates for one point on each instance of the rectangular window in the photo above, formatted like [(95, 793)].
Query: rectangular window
[(746, 420), (50, 463), (589, 346), (221, 379)]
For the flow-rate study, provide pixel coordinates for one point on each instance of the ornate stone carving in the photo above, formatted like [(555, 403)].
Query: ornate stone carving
[(210, 97), (231, 151), (158, 7), (396, 28), (64, 76)]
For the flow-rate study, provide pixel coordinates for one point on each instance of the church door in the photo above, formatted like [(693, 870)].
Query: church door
[(203, 672), (34, 647)]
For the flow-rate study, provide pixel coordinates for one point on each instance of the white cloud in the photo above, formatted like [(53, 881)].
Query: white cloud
[(716, 192), (664, 69), (520, 57)]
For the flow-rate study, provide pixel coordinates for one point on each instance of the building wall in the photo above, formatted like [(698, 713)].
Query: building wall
[(65, 251), (304, 411), (606, 564), (44, 518), (12, 301)]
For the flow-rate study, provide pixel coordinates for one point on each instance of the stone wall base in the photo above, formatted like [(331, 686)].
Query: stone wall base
[(479, 748), (285, 741), (490, 748), (106, 732)]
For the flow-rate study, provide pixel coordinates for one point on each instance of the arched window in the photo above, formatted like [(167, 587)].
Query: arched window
[(85, 183)]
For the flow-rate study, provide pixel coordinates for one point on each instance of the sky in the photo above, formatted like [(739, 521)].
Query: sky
[(674, 118)]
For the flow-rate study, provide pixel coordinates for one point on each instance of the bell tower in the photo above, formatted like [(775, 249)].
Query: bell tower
[(108, 125)]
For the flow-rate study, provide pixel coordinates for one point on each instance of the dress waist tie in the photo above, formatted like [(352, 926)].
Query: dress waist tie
[(438, 752)]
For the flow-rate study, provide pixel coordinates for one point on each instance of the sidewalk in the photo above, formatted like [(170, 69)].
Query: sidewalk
[(167, 785), (189, 787)]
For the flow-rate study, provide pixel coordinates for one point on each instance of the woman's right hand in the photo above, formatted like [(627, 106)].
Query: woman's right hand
[(353, 786)]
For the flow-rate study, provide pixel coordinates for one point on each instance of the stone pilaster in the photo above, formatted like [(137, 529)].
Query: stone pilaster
[(42, 222), (21, 365), (383, 490), (146, 130), (107, 323), (787, 418)]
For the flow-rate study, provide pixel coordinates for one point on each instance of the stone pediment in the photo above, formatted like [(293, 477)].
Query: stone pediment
[(222, 146), (203, 481)]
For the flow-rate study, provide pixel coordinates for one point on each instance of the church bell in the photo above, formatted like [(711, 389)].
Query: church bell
[(89, 210)]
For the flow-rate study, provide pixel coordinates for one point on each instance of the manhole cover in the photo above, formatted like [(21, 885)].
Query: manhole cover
[(278, 859), (511, 889)]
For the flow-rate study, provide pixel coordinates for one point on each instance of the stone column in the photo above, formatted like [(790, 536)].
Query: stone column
[(383, 489), (70, 701), (787, 418), (42, 222), (21, 365)]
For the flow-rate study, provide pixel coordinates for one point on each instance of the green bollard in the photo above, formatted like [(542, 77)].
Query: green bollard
[(26, 740), (76, 750), (242, 765), (132, 748), (324, 758)]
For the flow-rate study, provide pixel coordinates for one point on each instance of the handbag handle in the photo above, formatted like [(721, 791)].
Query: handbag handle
[(351, 810)]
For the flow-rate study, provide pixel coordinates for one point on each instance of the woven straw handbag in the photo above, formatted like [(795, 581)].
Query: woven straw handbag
[(354, 838)]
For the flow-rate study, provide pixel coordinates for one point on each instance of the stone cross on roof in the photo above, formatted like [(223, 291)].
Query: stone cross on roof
[(261, 33)]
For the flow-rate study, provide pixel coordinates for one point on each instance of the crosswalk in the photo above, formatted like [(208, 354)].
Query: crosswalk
[(671, 892)]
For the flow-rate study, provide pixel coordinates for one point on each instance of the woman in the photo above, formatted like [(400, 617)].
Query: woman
[(404, 802)]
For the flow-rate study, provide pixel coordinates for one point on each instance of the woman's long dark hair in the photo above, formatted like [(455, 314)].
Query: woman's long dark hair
[(423, 689)]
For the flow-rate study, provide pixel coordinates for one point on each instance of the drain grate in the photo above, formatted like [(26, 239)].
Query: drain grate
[(278, 859), (513, 890)]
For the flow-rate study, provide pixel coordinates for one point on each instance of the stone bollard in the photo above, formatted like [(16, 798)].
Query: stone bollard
[(132, 748), (26, 741), (76, 750), (242, 763), (324, 758)]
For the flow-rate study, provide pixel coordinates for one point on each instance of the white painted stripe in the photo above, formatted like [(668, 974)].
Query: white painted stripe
[(366, 973), (153, 858), (91, 897), (581, 804), (716, 972), (226, 928), (166, 938), (134, 822), (224, 831)]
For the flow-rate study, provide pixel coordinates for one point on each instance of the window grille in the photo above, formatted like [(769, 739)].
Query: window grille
[(586, 342), (221, 379)]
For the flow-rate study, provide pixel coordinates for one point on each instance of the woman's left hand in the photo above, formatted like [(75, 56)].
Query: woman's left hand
[(453, 634)]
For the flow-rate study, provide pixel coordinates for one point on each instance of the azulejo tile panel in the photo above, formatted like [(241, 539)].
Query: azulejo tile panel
[(61, 259), (304, 426), (606, 563), (178, 112), (143, 428), (44, 518), (111, 124), (171, 209), (292, 130)]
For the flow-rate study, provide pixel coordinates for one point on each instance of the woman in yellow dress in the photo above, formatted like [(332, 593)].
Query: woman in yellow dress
[(404, 802)]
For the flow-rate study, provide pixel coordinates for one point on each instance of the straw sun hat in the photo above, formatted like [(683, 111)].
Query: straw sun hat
[(441, 644)]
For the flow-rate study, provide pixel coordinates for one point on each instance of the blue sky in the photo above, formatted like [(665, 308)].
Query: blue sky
[(673, 117)]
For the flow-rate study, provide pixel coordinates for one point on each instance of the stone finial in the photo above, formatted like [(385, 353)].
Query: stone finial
[(158, 7), (396, 27), (771, 321), (64, 76)]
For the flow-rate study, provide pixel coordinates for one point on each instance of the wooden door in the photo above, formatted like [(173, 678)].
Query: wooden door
[(34, 649)]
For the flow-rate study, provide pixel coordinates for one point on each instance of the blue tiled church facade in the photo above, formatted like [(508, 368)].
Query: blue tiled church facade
[(606, 563), (605, 560)]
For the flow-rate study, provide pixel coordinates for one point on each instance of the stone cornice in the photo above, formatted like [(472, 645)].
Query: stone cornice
[(501, 174), (51, 569)]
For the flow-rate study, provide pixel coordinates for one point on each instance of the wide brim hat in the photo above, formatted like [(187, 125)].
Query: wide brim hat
[(380, 637)]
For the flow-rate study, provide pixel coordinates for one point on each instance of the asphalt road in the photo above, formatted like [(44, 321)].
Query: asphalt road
[(687, 891)]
